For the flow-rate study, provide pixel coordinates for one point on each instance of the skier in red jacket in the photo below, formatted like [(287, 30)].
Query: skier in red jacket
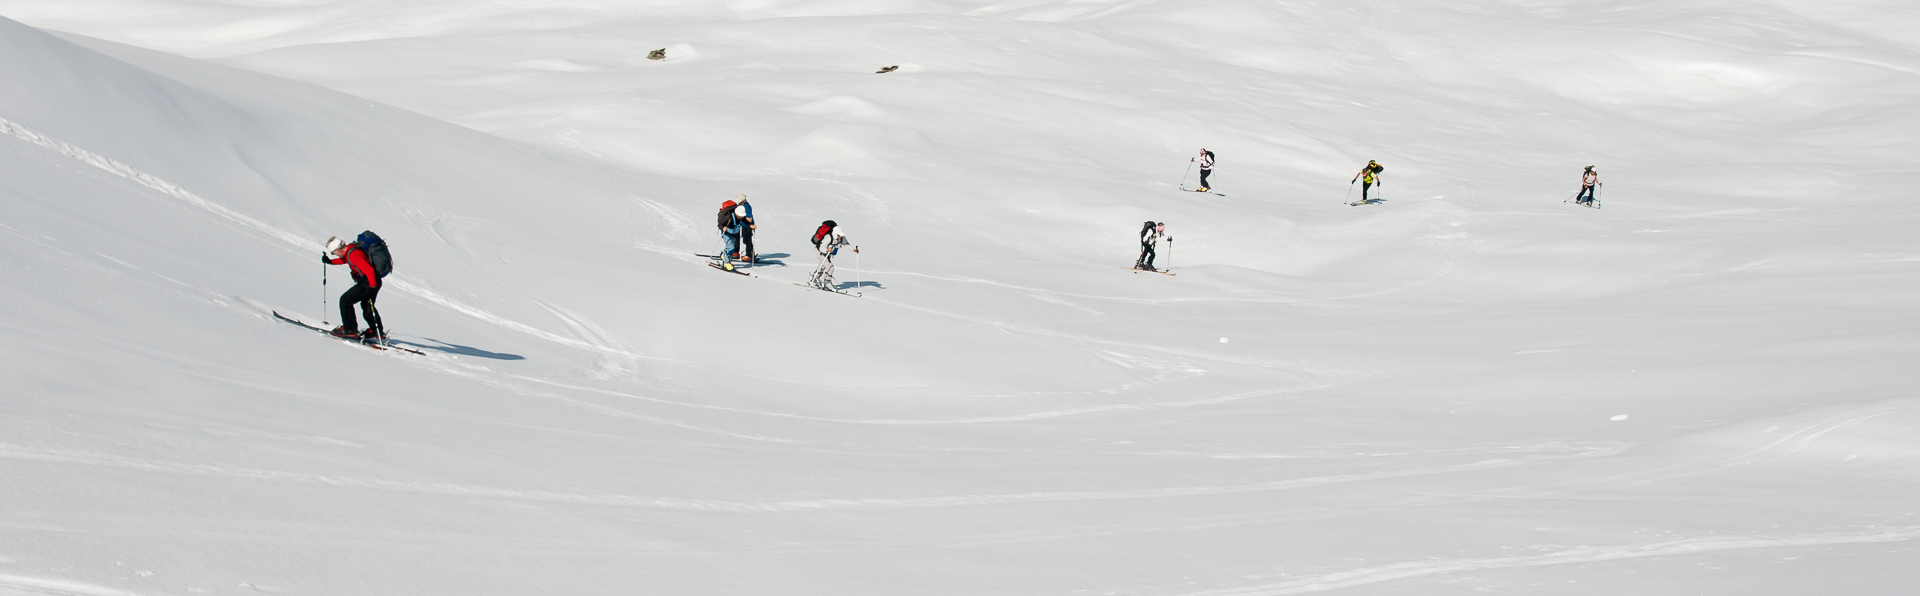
[(366, 287)]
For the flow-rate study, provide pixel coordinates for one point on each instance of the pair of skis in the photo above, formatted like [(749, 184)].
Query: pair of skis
[(1139, 270), (737, 271), (357, 341)]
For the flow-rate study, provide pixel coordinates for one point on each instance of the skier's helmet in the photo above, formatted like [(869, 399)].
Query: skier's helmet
[(1589, 168), (335, 243)]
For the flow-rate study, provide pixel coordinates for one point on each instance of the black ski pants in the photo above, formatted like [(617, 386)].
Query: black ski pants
[(364, 296), (1146, 253), (1585, 196), (746, 242), (1203, 177), (1363, 190)]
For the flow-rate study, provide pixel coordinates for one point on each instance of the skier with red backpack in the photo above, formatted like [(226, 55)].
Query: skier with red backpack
[(827, 240), (732, 219), (368, 261)]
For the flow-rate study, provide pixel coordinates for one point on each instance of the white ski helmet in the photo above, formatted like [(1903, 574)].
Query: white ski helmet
[(334, 243), (740, 211)]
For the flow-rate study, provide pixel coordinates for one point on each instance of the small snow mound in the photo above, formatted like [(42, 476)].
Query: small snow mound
[(911, 67), (1876, 434), (1223, 340), (1618, 418), (840, 105)]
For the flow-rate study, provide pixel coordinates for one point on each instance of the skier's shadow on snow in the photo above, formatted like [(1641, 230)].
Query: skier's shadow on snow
[(851, 285), (460, 349), (771, 258)]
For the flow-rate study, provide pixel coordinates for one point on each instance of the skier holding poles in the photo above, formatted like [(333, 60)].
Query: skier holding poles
[(1367, 179), (1588, 181), (827, 240), (366, 270), (1206, 167), (1149, 239)]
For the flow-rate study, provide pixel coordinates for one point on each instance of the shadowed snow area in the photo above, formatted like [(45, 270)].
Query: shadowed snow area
[(1469, 385)]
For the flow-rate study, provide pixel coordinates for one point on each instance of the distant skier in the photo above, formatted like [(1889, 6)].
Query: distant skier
[(1588, 180), (746, 230), (1206, 167), (827, 240), (1367, 178), (1150, 234), (730, 223), (366, 288)]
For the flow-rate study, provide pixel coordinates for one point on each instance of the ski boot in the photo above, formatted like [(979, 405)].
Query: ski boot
[(343, 333)]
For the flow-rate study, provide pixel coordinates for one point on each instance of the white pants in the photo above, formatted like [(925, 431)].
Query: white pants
[(823, 274)]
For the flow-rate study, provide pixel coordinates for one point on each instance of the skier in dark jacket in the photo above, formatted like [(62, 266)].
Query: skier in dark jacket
[(1149, 240), (366, 288), (1368, 176), (1206, 167), (747, 253)]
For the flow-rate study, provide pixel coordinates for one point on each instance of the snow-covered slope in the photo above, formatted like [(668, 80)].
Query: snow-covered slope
[(1702, 388)]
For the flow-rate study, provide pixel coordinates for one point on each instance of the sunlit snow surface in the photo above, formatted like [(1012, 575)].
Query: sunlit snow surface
[(1705, 387)]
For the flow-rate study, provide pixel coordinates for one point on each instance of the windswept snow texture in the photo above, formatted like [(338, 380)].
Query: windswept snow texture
[(1704, 387)]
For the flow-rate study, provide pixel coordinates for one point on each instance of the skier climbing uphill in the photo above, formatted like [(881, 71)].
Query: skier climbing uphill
[(731, 220), (1367, 178), (827, 240), (1150, 234), (367, 260), (745, 211), (1206, 167), (1588, 180)]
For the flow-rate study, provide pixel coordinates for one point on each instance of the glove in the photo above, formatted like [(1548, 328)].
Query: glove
[(326, 258)]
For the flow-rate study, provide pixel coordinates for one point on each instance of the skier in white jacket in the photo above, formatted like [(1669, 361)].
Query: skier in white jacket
[(827, 241)]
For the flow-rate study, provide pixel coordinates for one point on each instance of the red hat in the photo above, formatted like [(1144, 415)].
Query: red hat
[(727, 204)]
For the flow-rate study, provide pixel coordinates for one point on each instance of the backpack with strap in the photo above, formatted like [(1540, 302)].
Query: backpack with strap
[(1377, 168), (377, 254), (826, 227), (726, 217)]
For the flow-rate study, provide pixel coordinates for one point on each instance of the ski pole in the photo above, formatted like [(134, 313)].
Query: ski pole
[(380, 329), (1349, 199), (856, 267), (1183, 176), (1169, 252), (323, 294)]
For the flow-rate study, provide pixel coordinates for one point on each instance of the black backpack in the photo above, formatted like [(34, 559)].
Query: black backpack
[(726, 217), (1377, 168), (377, 254)]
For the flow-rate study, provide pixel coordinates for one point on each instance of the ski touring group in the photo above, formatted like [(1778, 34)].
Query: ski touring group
[(369, 261), (736, 226)]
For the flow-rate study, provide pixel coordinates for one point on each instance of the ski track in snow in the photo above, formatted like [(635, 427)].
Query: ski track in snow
[(979, 419), (15, 585), (294, 240), (1584, 554), (21, 453), (1445, 268)]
